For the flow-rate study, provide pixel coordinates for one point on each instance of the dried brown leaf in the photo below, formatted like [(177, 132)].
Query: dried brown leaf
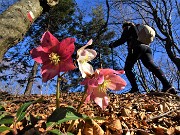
[(143, 132), (177, 129), (115, 125), (125, 112), (170, 131), (92, 128), (142, 115)]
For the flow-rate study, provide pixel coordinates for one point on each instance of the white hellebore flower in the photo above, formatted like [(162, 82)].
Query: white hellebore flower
[(85, 56)]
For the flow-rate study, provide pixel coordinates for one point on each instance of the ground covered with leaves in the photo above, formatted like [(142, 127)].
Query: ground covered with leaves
[(127, 114)]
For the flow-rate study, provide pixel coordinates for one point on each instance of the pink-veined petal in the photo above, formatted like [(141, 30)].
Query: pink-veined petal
[(66, 48), (121, 71), (49, 71), (112, 86), (109, 71), (39, 55), (100, 78), (87, 99), (48, 41), (89, 92), (117, 83), (102, 102)]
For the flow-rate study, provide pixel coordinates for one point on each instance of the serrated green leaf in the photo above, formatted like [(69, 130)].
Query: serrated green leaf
[(21, 111), (4, 128), (64, 114)]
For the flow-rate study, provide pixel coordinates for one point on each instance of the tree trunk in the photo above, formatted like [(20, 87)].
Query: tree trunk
[(31, 79), (17, 19), (172, 56)]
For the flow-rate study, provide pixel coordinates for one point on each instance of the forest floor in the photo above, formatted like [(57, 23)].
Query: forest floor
[(127, 114)]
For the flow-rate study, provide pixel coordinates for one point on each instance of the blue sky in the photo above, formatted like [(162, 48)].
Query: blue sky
[(84, 5)]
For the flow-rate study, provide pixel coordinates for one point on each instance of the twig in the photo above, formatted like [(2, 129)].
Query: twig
[(161, 115), (161, 94)]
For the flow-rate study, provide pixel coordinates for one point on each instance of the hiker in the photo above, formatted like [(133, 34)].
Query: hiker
[(139, 51)]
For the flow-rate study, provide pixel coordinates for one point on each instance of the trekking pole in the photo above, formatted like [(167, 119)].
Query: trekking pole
[(112, 57)]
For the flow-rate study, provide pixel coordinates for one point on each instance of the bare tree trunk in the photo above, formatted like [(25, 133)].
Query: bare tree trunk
[(31, 79), (17, 19)]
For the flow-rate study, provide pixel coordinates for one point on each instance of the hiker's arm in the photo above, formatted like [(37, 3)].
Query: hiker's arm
[(122, 40)]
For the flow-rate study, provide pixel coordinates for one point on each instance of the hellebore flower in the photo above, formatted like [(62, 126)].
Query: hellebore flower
[(54, 56), (84, 56), (103, 80)]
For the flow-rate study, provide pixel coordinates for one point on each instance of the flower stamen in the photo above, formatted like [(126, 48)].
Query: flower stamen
[(103, 87), (85, 60), (55, 58)]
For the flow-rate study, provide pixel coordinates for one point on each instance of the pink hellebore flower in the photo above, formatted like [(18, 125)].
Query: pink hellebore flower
[(54, 56), (103, 80), (84, 56)]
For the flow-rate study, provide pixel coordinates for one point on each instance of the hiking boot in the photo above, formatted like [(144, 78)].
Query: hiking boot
[(170, 90)]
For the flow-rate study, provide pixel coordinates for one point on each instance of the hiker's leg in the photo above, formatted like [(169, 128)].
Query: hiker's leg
[(129, 64), (148, 62)]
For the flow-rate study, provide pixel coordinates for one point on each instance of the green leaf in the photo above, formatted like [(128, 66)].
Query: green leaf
[(57, 132), (4, 128), (64, 114), (3, 115), (7, 120), (2, 108), (68, 133), (22, 110)]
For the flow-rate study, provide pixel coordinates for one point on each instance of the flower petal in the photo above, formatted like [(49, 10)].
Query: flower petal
[(66, 65), (85, 81), (91, 54), (39, 55), (92, 83), (49, 71), (102, 102), (109, 71), (87, 54), (100, 78), (85, 68), (88, 43), (48, 41), (117, 83), (66, 48)]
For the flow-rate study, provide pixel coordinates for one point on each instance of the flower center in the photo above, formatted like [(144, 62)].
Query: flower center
[(103, 87), (85, 60), (55, 58)]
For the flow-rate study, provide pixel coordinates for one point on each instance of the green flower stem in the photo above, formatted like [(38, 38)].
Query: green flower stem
[(78, 109), (58, 91)]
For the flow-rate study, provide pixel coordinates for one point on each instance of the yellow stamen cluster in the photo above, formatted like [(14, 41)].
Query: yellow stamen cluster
[(103, 86), (85, 60), (55, 58)]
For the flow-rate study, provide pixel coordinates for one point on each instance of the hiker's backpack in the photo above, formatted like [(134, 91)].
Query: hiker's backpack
[(145, 33)]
